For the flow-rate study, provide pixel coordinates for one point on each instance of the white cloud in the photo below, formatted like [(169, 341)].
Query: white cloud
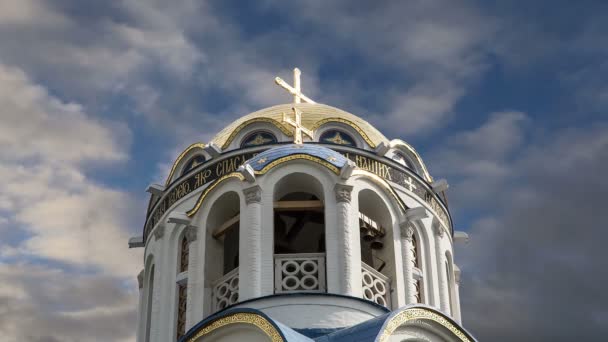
[(67, 216)]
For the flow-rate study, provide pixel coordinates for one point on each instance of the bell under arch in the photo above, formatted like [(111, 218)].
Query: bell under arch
[(222, 246), (299, 239), (379, 269)]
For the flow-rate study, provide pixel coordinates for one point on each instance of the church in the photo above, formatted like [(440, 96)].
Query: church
[(299, 222)]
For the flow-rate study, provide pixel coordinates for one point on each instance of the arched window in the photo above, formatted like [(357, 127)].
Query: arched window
[(182, 287), (337, 138), (377, 251), (299, 234), (449, 269), (259, 138), (150, 294), (403, 160), (193, 162), (418, 275), (222, 251)]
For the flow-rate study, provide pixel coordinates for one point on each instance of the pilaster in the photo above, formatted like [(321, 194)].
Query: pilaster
[(347, 254), (407, 249), (191, 234), (444, 304), (250, 245)]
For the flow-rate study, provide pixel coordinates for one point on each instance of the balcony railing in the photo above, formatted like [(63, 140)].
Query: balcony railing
[(303, 272), (376, 286), (226, 290)]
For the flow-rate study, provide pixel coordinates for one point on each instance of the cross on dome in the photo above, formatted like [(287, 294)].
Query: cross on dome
[(296, 90), (298, 128)]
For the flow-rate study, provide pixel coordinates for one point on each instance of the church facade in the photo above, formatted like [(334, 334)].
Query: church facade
[(299, 222)]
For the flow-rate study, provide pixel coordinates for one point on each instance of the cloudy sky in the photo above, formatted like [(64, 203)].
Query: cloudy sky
[(507, 101)]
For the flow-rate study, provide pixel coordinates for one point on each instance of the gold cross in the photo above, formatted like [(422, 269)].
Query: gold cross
[(297, 124), (296, 90), (410, 184)]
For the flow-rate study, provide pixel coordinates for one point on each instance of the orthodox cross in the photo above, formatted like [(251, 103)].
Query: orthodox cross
[(296, 90), (297, 124)]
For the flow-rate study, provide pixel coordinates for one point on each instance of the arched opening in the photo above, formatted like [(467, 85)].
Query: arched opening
[(418, 272), (149, 296), (222, 251), (181, 282), (449, 269), (299, 234), (377, 250), (258, 138)]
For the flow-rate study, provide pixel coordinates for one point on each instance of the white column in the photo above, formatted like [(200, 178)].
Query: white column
[(140, 307), (250, 245), (407, 250), (191, 234), (457, 315), (444, 304), (157, 287), (348, 255)]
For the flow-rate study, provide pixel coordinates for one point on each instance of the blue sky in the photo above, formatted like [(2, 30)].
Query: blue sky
[(507, 101)]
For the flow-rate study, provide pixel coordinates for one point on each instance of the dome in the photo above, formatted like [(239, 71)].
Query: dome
[(314, 116)]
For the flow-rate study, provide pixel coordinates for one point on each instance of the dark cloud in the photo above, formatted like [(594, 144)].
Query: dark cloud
[(39, 303), (535, 267)]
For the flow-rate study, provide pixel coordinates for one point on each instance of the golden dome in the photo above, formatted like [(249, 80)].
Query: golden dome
[(314, 115)]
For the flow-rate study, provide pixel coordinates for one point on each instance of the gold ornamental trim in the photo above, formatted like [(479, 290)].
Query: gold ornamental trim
[(346, 122), (398, 142), (416, 314), (282, 160), (180, 157), (240, 127), (206, 192), (384, 184), (245, 318)]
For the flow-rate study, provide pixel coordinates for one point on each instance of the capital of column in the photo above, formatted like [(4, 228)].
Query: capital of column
[(140, 279), (253, 194), (190, 233), (439, 231), (159, 232), (343, 192), (407, 230)]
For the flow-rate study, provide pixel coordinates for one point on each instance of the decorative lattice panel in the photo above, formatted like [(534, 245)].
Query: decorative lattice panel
[(226, 290), (376, 286), (299, 272)]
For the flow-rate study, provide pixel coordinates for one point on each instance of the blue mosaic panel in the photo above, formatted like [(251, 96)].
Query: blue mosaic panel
[(261, 160), (337, 138), (193, 162), (259, 138)]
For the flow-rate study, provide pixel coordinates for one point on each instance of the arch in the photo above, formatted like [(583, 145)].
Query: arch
[(182, 256), (149, 296), (377, 236), (248, 317), (193, 162), (222, 229), (236, 130), (229, 177), (337, 136), (449, 269), (199, 146), (425, 279), (408, 150), (422, 316), (258, 138), (299, 238)]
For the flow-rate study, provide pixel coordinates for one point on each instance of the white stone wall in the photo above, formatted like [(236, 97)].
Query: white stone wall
[(343, 262)]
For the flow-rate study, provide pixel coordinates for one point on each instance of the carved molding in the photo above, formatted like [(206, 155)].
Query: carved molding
[(407, 230), (439, 231), (343, 192), (190, 233), (159, 232), (140, 279), (253, 194)]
